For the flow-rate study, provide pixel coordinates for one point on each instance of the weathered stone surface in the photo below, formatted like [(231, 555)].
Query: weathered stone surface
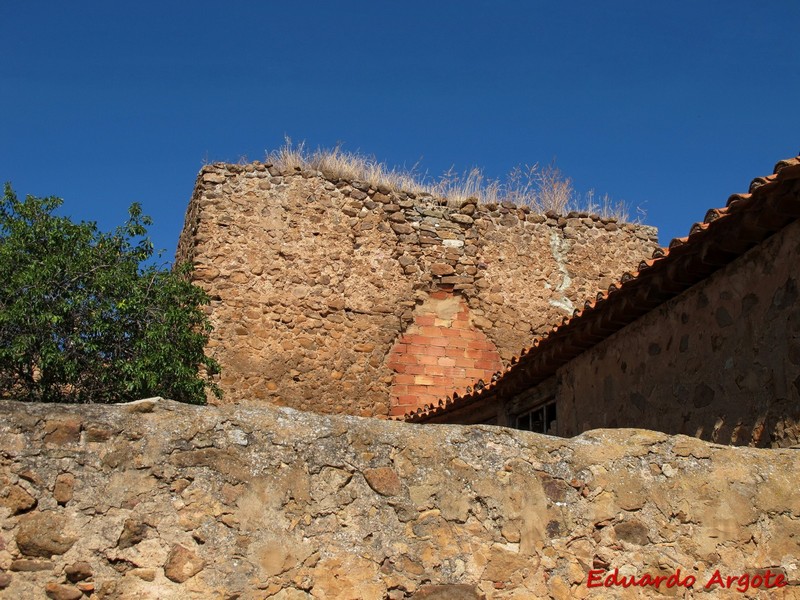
[(56, 591), (458, 591), (62, 431), (344, 507), (43, 534), (462, 218), (78, 571), (402, 228), (213, 178), (182, 564), (440, 269), (5, 580), (96, 432), (133, 532), (143, 574), (64, 488), (384, 480), (16, 499), (87, 587), (634, 532), (28, 564)]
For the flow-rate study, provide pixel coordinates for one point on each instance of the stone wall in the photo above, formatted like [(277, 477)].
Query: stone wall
[(157, 500), (313, 282), (720, 362)]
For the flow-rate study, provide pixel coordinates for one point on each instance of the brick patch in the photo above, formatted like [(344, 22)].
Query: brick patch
[(440, 353)]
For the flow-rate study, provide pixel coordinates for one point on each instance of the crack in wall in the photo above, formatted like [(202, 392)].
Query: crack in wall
[(559, 247)]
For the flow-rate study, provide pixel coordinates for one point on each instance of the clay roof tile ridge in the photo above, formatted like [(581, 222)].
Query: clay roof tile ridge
[(787, 162)]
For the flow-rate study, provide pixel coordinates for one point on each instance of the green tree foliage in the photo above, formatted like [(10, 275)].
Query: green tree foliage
[(81, 318)]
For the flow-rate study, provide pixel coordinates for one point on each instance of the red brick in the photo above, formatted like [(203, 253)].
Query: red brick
[(439, 341), (407, 398), (403, 359), (406, 402), (425, 338), (440, 391), (427, 360), (439, 379), (460, 343), (424, 320), (404, 405), (414, 339), (413, 369), (402, 379), (400, 348), (413, 349), (412, 402), (493, 358), (435, 370), (399, 410), (475, 374), (455, 373), (465, 362), (486, 364), (432, 332), (454, 333), (423, 399), (432, 350), (446, 361), (423, 380)]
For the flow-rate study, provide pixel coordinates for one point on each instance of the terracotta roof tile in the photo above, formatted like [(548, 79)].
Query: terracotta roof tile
[(724, 234)]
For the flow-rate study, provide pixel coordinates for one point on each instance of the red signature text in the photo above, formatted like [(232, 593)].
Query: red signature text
[(767, 579)]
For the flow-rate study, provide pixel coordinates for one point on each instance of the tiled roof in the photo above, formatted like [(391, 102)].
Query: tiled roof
[(725, 234)]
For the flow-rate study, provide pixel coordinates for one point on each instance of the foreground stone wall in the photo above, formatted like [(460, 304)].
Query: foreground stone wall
[(314, 281), (160, 500), (720, 362)]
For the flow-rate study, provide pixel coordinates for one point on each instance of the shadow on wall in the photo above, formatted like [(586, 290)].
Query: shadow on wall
[(704, 413)]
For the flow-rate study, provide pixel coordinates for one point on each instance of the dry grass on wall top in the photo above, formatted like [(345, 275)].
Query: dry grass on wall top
[(543, 189)]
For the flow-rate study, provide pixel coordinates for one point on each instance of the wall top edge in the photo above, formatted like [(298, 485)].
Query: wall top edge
[(215, 174)]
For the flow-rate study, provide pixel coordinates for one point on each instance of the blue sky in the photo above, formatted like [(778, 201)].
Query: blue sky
[(672, 106)]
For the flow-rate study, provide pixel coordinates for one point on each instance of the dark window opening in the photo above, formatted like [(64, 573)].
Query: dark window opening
[(539, 420)]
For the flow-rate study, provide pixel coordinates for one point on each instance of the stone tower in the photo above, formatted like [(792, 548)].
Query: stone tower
[(339, 296)]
